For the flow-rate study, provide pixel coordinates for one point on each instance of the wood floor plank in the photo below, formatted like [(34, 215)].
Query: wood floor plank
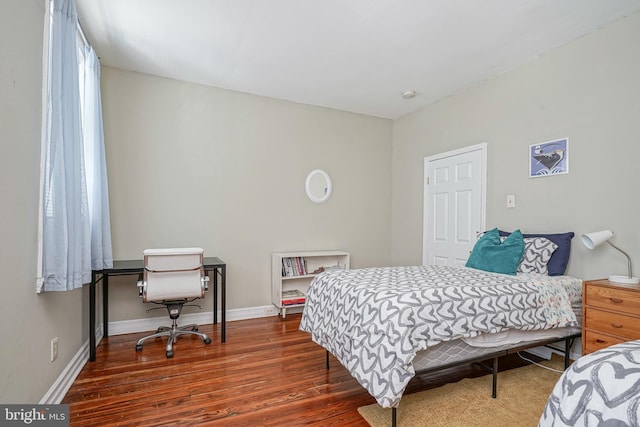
[(268, 373)]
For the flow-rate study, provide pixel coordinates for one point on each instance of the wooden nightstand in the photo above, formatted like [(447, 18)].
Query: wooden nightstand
[(610, 314)]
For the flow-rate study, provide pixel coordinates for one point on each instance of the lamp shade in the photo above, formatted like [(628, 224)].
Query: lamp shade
[(591, 240)]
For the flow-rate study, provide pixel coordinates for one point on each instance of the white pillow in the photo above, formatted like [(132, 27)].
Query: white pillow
[(537, 253)]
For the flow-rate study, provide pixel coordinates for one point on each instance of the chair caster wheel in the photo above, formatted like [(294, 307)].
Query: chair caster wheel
[(169, 354), (138, 347), (207, 341)]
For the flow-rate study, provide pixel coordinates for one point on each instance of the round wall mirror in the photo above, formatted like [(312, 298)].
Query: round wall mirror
[(318, 186)]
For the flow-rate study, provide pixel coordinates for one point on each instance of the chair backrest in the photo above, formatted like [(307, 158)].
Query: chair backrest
[(173, 273)]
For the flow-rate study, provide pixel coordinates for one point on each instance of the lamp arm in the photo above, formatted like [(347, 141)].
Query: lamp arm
[(625, 254)]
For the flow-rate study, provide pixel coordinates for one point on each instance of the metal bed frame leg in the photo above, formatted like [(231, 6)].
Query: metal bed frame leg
[(494, 390), (494, 374), (568, 343)]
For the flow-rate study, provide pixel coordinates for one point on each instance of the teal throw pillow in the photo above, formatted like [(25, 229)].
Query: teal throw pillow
[(489, 254)]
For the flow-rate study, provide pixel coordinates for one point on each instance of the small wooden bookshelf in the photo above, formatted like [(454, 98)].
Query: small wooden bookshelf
[(293, 272)]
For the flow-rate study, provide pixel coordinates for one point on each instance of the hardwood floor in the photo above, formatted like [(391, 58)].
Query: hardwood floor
[(268, 373)]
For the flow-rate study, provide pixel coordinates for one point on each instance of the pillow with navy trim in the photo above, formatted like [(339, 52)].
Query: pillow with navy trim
[(490, 254), (560, 258)]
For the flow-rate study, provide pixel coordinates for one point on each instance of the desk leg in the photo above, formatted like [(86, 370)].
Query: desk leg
[(223, 296), (215, 295), (92, 318), (105, 305)]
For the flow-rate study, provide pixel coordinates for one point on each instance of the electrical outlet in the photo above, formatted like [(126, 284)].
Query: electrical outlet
[(270, 310), (54, 349)]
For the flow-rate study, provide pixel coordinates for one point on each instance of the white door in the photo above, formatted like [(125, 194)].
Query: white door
[(454, 204)]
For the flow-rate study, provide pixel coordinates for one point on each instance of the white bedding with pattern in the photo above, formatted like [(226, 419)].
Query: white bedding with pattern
[(374, 320), (599, 389)]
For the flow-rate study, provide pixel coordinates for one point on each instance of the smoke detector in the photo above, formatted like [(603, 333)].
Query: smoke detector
[(408, 94)]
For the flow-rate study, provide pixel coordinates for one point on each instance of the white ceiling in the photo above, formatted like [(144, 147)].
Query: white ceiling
[(351, 55)]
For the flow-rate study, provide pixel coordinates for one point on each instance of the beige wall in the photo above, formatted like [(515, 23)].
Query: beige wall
[(29, 321), (588, 91), (191, 165)]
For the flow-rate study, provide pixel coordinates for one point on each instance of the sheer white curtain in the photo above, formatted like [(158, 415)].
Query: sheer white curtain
[(73, 187), (95, 163)]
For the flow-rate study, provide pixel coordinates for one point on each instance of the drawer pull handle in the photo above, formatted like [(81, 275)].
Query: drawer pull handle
[(616, 325), (599, 341), (616, 300)]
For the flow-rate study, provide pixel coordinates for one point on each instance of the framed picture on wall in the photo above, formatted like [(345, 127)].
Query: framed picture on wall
[(549, 158)]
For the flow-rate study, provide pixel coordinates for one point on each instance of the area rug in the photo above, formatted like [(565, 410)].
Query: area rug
[(522, 395)]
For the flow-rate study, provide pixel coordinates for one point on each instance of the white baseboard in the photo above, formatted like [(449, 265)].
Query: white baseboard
[(61, 385), (201, 318)]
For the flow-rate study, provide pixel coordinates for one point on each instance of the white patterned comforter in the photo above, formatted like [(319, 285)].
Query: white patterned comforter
[(374, 320), (599, 389)]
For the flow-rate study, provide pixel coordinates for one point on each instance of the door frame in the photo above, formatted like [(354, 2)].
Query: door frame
[(482, 147)]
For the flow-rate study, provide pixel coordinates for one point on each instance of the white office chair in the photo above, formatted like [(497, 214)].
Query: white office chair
[(173, 278)]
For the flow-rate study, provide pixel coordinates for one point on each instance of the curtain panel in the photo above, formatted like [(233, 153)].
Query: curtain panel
[(72, 183), (96, 164)]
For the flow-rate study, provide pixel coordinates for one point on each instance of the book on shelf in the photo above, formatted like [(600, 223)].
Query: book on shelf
[(292, 297), (294, 266)]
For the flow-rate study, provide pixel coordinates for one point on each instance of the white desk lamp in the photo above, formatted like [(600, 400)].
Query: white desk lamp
[(591, 240)]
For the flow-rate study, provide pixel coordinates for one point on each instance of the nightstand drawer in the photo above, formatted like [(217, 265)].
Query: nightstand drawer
[(620, 300), (593, 341), (612, 323)]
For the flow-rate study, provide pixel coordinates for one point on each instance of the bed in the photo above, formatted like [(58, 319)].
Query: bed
[(599, 389), (385, 324)]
